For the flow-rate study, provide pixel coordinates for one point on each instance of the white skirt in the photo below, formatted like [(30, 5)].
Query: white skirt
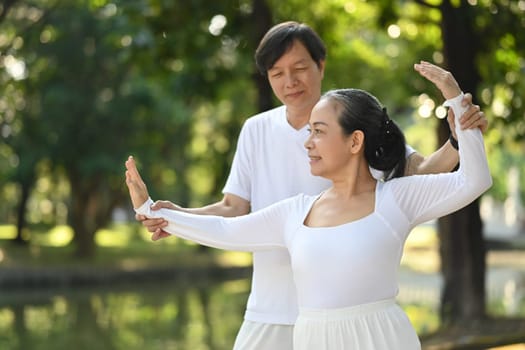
[(381, 325), (263, 336)]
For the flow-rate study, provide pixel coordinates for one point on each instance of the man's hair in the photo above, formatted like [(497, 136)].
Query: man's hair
[(280, 38)]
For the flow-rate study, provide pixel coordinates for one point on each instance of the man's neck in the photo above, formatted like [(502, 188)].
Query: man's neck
[(297, 118)]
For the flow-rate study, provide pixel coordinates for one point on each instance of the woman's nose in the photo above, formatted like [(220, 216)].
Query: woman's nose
[(308, 142)]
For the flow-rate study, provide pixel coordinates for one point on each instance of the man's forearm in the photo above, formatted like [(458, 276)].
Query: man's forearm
[(228, 207), (443, 160)]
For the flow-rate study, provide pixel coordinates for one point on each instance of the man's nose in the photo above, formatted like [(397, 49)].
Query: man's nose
[(291, 79)]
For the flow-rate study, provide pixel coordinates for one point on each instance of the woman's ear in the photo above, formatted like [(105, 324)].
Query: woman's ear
[(357, 141)]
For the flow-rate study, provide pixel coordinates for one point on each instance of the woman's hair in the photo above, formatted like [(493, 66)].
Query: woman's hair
[(384, 141), (280, 38)]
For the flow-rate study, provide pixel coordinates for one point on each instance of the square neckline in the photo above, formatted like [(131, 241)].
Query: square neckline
[(367, 216)]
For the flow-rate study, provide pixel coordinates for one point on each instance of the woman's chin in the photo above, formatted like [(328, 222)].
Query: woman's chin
[(315, 172)]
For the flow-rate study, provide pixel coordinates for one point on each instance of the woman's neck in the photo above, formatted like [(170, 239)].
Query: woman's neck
[(354, 180)]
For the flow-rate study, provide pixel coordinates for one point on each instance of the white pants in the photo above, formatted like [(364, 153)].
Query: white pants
[(263, 336), (380, 325)]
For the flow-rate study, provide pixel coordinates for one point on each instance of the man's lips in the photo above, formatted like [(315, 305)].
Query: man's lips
[(294, 94)]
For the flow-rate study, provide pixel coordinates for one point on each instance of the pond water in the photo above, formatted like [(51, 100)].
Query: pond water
[(182, 315), (200, 315)]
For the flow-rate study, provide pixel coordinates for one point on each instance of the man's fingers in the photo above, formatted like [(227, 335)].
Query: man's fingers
[(484, 125), (159, 234), (473, 119), (155, 236), (153, 225), (467, 99), (163, 204)]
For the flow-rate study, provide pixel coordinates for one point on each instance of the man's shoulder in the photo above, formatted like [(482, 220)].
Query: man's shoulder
[(270, 116)]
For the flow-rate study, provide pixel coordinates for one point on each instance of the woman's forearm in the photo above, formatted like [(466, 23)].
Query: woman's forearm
[(244, 233)]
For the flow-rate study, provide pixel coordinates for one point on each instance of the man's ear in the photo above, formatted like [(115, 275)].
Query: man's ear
[(321, 66)]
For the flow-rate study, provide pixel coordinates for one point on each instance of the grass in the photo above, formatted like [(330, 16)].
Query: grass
[(124, 245)]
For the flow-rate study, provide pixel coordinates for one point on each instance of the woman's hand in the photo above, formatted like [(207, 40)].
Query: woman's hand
[(443, 79), (137, 188)]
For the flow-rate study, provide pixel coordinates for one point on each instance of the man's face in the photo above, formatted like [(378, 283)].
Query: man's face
[(296, 79)]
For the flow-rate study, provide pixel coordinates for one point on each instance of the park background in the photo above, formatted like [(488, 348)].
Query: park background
[(85, 83)]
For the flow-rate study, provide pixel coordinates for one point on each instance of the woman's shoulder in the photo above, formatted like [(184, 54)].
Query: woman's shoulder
[(298, 202)]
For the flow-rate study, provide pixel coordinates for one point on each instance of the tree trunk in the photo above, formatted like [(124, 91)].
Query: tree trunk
[(25, 177), (261, 20), (21, 212), (463, 265), (84, 228), (4, 9), (462, 246), (90, 210)]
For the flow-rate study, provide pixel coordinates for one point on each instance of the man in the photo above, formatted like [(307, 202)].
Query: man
[(271, 164)]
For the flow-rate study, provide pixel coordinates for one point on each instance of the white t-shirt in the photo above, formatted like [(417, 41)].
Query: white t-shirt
[(271, 164), (352, 263)]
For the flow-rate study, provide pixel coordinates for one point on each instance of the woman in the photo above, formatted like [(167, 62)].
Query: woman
[(346, 243)]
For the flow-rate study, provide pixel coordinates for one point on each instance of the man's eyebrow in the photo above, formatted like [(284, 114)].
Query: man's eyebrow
[(319, 123), (300, 61)]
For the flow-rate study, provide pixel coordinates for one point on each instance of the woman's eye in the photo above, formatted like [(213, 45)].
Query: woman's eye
[(314, 131)]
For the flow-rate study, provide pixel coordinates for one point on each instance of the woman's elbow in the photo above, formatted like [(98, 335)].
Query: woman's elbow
[(483, 184), (487, 183)]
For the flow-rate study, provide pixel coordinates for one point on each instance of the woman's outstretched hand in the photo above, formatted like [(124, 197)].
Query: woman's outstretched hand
[(443, 79), (137, 188)]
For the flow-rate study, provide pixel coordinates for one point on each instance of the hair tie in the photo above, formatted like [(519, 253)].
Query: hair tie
[(379, 151), (387, 122)]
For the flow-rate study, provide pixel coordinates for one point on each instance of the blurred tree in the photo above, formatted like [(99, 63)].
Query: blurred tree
[(5, 7), (472, 34), (80, 98), (84, 98), (468, 40), (110, 78)]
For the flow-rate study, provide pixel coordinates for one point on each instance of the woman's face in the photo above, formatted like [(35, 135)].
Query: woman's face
[(328, 148)]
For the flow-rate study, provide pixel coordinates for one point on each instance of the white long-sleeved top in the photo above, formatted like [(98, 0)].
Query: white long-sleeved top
[(271, 164), (352, 263)]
